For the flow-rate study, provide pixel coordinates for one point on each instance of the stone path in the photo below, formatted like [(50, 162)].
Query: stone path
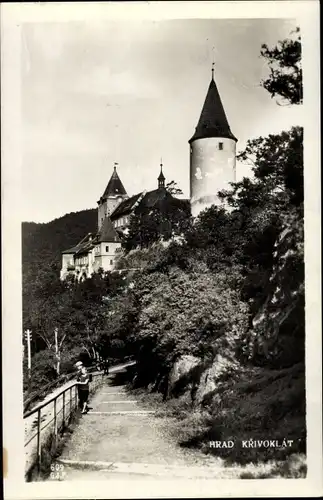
[(120, 438)]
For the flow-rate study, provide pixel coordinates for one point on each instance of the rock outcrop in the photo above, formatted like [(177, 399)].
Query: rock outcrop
[(221, 368), (182, 375), (279, 325)]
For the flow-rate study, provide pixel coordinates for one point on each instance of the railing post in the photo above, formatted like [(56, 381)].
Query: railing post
[(70, 403), (38, 440), (55, 423), (76, 401), (63, 410)]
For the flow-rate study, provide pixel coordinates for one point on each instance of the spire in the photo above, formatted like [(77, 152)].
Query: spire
[(115, 186), (161, 177), (213, 121), (213, 63)]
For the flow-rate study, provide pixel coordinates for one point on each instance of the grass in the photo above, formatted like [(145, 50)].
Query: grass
[(51, 450), (294, 467), (262, 404)]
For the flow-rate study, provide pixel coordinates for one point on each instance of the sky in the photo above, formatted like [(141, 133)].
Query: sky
[(95, 93)]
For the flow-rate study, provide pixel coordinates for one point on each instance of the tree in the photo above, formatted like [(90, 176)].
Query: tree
[(166, 220), (68, 317), (285, 79), (54, 344), (184, 313), (173, 188), (277, 166)]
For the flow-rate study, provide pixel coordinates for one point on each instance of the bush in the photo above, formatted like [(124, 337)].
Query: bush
[(185, 313), (42, 370)]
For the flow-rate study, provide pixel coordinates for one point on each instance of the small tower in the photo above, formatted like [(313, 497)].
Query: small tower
[(212, 153), (108, 244), (161, 177), (113, 195)]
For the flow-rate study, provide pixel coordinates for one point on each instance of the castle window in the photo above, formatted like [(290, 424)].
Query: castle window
[(107, 249), (111, 262), (220, 146)]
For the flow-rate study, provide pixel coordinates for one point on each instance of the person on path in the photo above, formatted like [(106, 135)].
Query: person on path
[(106, 366), (83, 386)]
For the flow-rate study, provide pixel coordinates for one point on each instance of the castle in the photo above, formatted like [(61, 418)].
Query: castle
[(212, 167)]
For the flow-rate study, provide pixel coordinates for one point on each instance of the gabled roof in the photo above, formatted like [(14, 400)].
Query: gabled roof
[(85, 247), (125, 206), (152, 198), (213, 121), (143, 200), (107, 233), (114, 186), (88, 238), (71, 250)]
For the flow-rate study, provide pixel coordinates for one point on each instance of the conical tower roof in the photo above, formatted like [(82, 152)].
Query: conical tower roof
[(115, 186), (213, 121), (107, 233)]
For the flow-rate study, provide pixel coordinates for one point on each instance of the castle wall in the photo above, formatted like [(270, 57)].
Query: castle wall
[(211, 169), (106, 208), (105, 257), (67, 261), (83, 265), (102, 213), (112, 203)]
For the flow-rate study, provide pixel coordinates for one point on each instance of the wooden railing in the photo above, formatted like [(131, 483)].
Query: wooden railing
[(59, 410)]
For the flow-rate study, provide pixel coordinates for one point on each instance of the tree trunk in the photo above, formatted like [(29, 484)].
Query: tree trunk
[(58, 364)]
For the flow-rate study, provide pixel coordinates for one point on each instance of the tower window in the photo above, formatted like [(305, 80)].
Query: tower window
[(107, 249), (220, 146), (111, 262)]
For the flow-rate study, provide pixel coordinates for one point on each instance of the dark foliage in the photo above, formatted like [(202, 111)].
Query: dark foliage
[(285, 79), (166, 220)]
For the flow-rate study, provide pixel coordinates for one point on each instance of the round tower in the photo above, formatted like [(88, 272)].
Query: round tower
[(212, 153)]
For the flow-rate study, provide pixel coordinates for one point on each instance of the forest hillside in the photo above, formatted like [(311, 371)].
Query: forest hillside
[(43, 243)]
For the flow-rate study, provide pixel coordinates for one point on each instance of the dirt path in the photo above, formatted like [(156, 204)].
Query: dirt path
[(47, 415), (124, 439), (120, 437)]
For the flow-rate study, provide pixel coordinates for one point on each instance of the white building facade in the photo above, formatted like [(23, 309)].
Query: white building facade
[(212, 154)]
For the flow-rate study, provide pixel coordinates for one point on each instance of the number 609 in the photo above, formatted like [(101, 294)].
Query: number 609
[(56, 467)]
